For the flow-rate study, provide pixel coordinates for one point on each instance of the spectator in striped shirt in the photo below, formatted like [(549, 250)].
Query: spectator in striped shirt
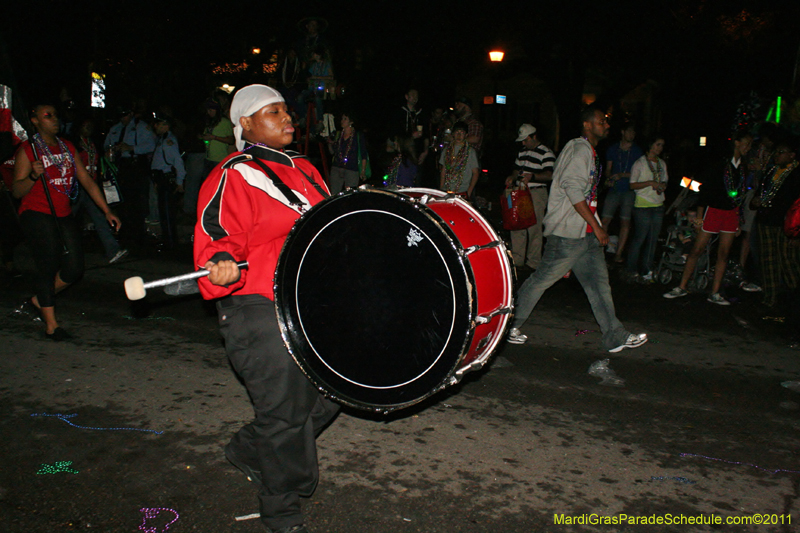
[(533, 169)]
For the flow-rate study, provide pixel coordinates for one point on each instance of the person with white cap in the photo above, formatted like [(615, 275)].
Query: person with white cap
[(533, 169), (246, 208)]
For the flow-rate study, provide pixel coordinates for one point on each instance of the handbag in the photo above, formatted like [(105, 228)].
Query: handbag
[(109, 185), (791, 225), (516, 206)]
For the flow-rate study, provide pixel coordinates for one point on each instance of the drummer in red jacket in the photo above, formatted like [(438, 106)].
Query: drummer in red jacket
[(246, 208)]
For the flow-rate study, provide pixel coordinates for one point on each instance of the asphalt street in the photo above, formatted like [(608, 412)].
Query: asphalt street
[(122, 429)]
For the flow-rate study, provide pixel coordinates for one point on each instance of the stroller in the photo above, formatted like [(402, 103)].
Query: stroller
[(678, 244)]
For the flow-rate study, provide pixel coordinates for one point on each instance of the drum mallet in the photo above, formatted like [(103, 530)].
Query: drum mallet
[(136, 288)]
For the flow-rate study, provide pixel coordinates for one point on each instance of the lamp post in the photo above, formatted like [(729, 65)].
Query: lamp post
[(496, 57)]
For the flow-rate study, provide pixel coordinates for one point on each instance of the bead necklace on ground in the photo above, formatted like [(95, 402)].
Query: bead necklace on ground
[(454, 165), (63, 165), (773, 182)]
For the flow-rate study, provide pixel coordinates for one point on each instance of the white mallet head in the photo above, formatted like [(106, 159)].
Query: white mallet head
[(134, 288)]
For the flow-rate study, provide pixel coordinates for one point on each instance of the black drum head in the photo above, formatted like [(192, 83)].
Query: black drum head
[(374, 301)]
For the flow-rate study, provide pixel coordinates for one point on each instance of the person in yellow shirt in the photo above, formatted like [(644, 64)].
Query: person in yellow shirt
[(218, 135)]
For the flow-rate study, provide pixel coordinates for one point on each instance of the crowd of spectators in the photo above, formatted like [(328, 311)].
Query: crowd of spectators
[(151, 164)]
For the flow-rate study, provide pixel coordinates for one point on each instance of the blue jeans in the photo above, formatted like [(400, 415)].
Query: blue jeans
[(586, 259), (101, 227), (646, 227)]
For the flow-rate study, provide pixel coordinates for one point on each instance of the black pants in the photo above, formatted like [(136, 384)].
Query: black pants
[(289, 411), (166, 209), (134, 183), (42, 233)]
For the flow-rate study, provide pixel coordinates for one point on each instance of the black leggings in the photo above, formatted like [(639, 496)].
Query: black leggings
[(43, 237)]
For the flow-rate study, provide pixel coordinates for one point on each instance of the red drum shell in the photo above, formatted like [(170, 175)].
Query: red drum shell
[(491, 268)]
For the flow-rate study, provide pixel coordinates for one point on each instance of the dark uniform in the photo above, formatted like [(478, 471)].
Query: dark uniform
[(278, 448)]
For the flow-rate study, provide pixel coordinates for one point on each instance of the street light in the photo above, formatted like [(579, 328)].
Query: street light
[(496, 57)]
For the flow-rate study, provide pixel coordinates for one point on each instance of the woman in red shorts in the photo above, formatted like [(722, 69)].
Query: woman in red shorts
[(722, 194)]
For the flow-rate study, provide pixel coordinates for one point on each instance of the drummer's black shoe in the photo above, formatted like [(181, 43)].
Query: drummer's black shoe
[(252, 474)]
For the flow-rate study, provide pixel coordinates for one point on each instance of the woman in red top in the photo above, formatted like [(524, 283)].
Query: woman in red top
[(45, 172)]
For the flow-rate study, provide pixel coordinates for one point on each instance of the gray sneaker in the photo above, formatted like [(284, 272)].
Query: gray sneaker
[(515, 336), (749, 287), (634, 340), (717, 298), (677, 292)]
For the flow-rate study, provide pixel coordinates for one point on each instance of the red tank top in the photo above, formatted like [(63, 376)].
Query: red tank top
[(59, 171)]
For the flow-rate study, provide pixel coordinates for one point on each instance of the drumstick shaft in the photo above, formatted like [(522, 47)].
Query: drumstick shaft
[(184, 277)]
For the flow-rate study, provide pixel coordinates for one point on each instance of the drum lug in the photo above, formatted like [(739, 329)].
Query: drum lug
[(477, 248), (483, 319), (459, 375)]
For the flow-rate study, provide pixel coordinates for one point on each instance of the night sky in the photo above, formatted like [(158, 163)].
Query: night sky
[(705, 55)]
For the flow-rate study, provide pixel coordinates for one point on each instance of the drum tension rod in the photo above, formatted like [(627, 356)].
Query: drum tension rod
[(483, 319), (477, 247)]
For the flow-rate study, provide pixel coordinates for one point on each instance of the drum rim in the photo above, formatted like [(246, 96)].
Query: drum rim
[(295, 352)]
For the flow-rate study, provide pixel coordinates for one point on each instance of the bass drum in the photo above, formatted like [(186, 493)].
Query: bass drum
[(384, 298)]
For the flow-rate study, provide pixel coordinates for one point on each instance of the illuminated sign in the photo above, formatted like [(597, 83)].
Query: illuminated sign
[(98, 90)]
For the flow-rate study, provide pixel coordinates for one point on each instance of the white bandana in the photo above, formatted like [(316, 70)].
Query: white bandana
[(247, 101)]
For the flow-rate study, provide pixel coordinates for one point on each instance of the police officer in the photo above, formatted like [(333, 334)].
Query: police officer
[(168, 173), (130, 144)]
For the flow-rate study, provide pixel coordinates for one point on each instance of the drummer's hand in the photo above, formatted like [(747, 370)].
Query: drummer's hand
[(222, 273)]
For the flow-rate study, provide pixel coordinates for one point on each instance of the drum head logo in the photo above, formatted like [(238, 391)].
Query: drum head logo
[(414, 237)]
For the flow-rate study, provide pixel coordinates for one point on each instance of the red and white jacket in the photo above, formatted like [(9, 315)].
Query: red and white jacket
[(243, 216)]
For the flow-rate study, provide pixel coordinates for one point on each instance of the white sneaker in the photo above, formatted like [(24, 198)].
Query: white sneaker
[(677, 292), (515, 336), (634, 341), (119, 255), (648, 278), (717, 298)]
